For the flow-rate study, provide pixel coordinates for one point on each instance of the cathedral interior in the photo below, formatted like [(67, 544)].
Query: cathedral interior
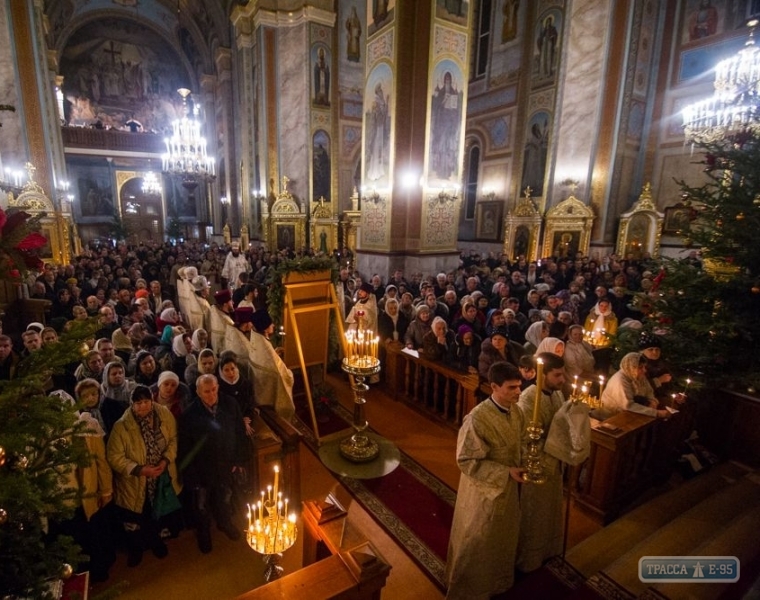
[(405, 131)]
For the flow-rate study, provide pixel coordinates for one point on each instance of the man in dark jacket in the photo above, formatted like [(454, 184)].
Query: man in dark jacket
[(212, 448)]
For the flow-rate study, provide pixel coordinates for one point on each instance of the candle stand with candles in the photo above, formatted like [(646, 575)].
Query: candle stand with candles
[(361, 361), (271, 530), (534, 472)]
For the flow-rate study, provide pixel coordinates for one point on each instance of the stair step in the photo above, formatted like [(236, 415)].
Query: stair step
[(738, 540), (596, 552), (688, 531)]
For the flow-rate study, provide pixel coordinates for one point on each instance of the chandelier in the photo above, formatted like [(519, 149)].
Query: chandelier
[(151, 185), (186, 153), (733, 106)]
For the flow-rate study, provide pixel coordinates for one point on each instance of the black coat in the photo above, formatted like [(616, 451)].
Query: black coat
[(211, 444)]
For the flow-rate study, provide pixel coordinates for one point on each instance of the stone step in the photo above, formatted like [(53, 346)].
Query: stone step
[(687, 531), (738, 539), (599, 550)]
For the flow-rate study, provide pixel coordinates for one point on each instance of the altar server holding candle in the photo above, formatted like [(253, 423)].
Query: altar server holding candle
[(484, 532), (541, 518)]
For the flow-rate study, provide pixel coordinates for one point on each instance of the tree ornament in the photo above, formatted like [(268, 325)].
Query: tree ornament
[(2, 456), (3, 516), (740, 216), (755, 289), (66, 571), (21, 462)]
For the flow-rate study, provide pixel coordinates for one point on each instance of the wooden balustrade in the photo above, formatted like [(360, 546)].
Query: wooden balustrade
[(441, 392), (629, 452)]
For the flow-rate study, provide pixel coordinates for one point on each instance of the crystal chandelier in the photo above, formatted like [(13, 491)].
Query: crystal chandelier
[(733, 106), (151, 185), (186, 153)]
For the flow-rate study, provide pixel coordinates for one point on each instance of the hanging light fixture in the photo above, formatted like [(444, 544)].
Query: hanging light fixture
[(186, 153), (151, 185), (733, 106)]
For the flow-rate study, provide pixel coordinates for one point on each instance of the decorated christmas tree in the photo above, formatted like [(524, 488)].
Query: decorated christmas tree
[(38, 442), (709, 308)]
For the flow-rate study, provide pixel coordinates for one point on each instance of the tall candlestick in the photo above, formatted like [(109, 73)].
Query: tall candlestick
[(276, 480), (539, 388), (601, 386)]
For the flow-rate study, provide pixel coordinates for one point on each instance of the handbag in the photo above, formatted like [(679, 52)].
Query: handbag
[(165, 501)]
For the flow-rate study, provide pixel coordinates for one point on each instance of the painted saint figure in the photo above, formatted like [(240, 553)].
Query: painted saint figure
[(446, 117), (534, 159), (703, 22), (509, 25), (354, 31), (378, 135), (547, 48), (321, 80)]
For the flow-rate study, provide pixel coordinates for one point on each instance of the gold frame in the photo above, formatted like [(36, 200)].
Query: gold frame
[(285, 211), (643, 208), (481, 209), (525, 215), (570, 216)]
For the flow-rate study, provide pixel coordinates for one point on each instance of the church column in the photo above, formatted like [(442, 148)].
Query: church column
[(210, 193), (225, 127), (34, 71), (245, 118), (585, 115), (413, 136)]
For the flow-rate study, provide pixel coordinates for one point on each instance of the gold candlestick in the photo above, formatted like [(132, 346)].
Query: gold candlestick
[(534, 469)]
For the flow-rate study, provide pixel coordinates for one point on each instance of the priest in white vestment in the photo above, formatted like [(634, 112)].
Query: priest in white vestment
[(220, 318)]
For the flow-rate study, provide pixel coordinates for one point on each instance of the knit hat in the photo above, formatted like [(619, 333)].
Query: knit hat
[(223, 296), (464, 329), (142, 294), (649, 340), (167, 375), (261, 320), (499, 331), (243, 314)]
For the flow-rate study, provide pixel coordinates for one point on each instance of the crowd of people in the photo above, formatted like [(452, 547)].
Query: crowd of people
[(183, 357)]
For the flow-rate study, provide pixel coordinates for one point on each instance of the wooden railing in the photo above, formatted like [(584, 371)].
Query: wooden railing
[(442, 393), (629, 452), (104, 139)]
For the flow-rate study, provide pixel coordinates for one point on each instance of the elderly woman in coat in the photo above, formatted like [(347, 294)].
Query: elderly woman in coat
[(628, 389), (142, 445)]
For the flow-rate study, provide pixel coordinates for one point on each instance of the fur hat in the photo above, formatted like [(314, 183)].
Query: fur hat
[(223, 296), (261, 320), (243, 314), (199, 283)]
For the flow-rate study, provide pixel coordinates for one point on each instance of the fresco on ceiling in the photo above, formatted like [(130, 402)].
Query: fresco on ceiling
[(117, 71)]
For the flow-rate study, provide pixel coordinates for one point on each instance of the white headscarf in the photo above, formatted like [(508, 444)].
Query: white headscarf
[(549, 345)]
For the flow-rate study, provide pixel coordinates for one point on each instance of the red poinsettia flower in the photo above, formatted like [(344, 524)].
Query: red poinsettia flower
[(33, 241), (3, 218)]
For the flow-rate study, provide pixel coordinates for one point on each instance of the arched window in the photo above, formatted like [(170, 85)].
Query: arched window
[(471, 184)]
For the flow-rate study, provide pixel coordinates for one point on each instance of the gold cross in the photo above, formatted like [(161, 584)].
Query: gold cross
[(528, 191)]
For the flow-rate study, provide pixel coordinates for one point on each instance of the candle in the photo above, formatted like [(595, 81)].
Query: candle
[(601, 386), (276, 480), (539, 388)]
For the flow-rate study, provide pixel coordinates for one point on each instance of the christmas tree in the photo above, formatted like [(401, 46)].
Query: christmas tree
[(709, 310), (38, 442)]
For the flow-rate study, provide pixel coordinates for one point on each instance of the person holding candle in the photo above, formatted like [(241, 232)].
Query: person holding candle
[(484, 532), (541, 505)]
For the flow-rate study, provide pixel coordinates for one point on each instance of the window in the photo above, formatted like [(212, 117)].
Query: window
[(471, 185), (482, 38)]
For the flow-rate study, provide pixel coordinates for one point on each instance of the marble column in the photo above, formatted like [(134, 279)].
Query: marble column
[(415, 96)]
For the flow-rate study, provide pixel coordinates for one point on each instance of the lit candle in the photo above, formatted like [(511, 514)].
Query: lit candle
[(276, 480), (601, 386), (539, 388)]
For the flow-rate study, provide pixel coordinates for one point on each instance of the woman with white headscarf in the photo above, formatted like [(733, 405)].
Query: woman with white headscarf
[(628, 389), (552, 345), (534, 335)]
